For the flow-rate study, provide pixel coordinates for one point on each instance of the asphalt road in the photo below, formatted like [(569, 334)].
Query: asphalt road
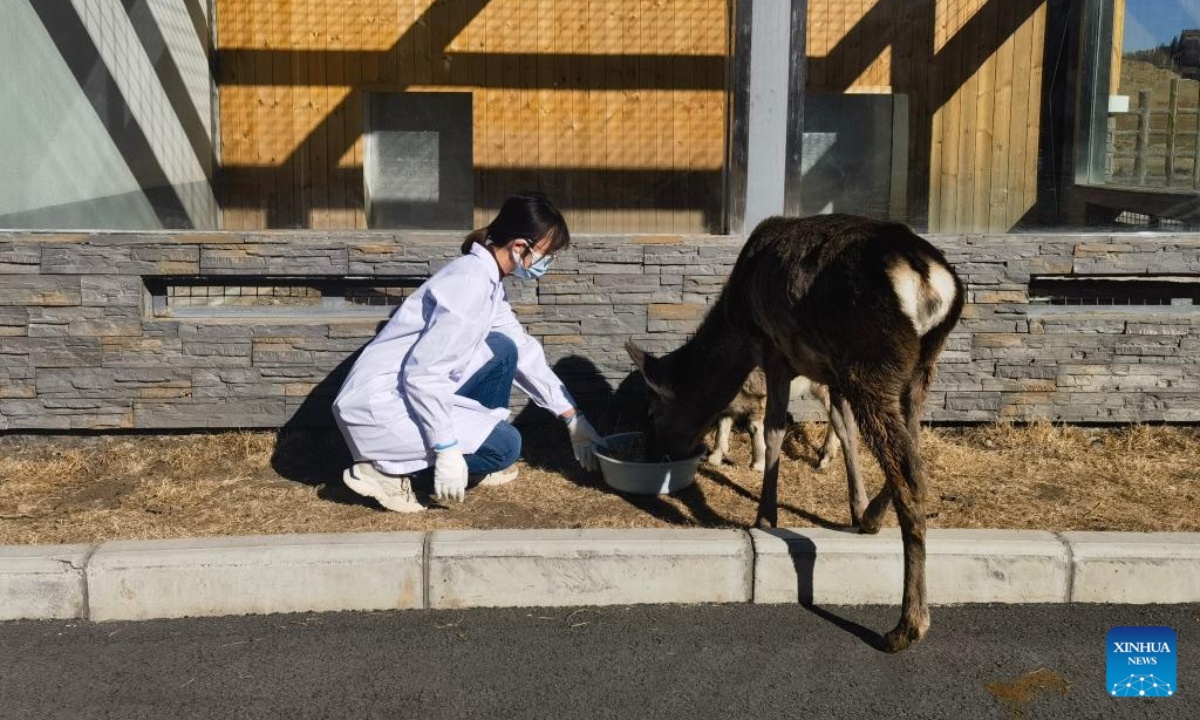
[(640, 662)]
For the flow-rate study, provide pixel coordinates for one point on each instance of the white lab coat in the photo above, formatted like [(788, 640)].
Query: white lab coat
[(399, 401)]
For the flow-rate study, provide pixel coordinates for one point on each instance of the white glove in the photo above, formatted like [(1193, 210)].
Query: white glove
[(583, 441), (450, 475)]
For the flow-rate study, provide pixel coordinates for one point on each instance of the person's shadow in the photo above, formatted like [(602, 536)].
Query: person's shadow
[(309, 450)]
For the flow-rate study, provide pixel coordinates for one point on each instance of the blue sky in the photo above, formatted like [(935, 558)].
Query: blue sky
[(1150, 23)]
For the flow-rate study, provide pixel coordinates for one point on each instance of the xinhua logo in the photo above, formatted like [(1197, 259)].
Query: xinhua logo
[(1141, 662)]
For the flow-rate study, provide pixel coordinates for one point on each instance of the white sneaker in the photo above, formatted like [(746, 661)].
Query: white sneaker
[(394, 492), (501, 477)]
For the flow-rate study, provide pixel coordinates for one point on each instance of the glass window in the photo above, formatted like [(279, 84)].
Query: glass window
[(1137, 159)]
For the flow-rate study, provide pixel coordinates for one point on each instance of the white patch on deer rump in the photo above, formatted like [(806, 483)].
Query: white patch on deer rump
[(924, 300)]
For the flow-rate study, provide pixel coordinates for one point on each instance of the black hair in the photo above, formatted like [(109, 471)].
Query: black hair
[(526, 215)]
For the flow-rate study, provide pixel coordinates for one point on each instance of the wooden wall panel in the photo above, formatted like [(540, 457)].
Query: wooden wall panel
[(615, 107), (972, 72)]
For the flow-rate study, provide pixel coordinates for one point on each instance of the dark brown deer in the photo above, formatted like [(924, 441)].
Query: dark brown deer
[(860, 306)]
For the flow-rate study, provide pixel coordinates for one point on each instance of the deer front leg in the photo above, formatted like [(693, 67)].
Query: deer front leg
[(759, 441), (724, 425), (779, 378)]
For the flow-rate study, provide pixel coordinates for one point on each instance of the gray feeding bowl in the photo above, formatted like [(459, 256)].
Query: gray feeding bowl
[(642, 478)]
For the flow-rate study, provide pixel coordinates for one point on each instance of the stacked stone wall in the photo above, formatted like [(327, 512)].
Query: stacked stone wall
[(83, 345)]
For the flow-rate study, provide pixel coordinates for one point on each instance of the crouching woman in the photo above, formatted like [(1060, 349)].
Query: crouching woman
[(432, 389)]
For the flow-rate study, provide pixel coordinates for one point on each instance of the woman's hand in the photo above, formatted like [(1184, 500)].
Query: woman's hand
[(583, 441), (450, 475)]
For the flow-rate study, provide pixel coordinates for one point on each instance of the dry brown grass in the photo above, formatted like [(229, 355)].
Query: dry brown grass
[(73, 489)]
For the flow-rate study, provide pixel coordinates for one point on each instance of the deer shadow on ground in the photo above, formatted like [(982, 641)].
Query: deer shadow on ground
[(803, 554), (618, 410)]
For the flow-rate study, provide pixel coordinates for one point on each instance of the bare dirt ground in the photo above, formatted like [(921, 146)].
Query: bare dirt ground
[(68, 489)]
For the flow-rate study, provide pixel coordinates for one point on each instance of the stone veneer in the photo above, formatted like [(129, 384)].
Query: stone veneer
[(80, 348)]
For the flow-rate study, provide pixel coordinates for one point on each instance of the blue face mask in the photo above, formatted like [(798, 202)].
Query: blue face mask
[(536, 269)]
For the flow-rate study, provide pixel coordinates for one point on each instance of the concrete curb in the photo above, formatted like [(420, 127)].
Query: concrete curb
[(43, 581), (520, 568), (1135, 568), (133, 580), (831, 567)]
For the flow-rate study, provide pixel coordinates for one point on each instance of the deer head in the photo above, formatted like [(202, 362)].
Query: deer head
[(672, 426)]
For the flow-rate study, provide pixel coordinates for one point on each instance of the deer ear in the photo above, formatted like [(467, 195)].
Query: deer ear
[(651, 368)]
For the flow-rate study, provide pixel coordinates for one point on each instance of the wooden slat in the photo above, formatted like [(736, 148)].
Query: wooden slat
[(643, 133), (938, 134), (373, 29), (949, 168), (530, 109), (969, 129), (817, 45), (997, 218), (512, 117), (262, 192), (439, 31), (319, 96), (1023, 82), (546, 40), (335, 138), (421, 31), (300, 114), (603, 17), (985, 105), (235, 122), (283, 208), (1034, 112), (680, 156), (359, 34), (475, 38), (1118, 42)]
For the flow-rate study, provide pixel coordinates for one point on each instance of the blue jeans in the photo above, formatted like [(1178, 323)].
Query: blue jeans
[(491, 386)]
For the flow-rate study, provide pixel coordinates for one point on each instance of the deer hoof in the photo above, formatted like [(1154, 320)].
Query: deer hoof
[(716, 459), (866, 528), (761, 466), (823, 462), (902, 638)]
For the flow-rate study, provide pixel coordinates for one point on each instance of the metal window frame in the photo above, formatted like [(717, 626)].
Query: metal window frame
[(1096, 32), (785, 131), (330, 287)]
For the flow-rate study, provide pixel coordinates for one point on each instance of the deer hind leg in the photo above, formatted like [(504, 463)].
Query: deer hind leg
[(833, 440), (830, 448), (844, 428), (910, 405), (724, 426), (779, 378), (886, 431), (759, 442)]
